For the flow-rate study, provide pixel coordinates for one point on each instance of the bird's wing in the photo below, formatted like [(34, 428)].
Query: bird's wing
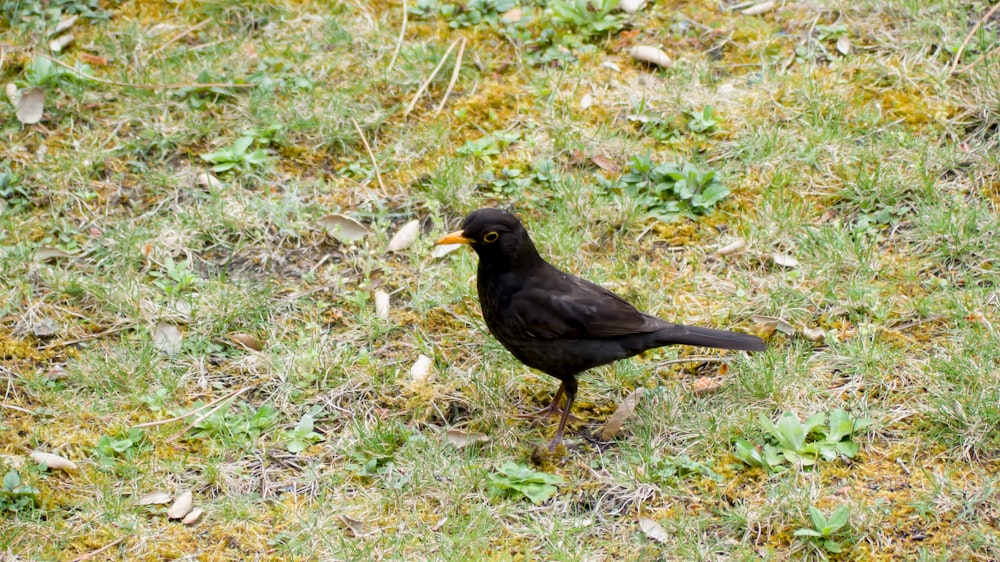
[(578, 310)]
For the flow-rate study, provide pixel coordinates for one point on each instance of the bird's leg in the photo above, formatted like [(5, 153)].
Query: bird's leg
[(552, 410), (570, 390)]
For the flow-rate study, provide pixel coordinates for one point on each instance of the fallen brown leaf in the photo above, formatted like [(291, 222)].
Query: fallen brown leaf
[(153, 498), (246, 341), (405, 236), (605, 164), (181, 506), (653, 530), (625, 409), (462, 439), (705, 385), (342, 228), (53, 461)]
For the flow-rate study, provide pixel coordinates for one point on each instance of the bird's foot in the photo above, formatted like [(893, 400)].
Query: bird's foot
[(550, 411)]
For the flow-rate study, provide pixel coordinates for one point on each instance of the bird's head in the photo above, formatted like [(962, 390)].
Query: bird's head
[(497, 236)]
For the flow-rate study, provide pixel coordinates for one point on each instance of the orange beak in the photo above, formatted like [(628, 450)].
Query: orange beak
[(455, 238)]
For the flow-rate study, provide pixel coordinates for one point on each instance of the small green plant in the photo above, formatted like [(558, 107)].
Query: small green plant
[(241, 425), (41, 71), (374, 454), (515, 480), (176, 278), (15, 196), (156, 400), (44, 15), (469, 14), (828, 32), (670, 191), (238, 156), (367, 465), (703, 121), (874, 216), (513, 183), (302, 435), (113, 447), (794, 443), (488, 146), (585, 19), (824, 529), (15, 496), (545, 49), (200, 96), (675, 468)]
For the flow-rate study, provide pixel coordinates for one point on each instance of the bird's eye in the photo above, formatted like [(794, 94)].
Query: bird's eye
[(490, 237)]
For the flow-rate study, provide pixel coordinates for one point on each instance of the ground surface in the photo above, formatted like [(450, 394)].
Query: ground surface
[(859, 142)]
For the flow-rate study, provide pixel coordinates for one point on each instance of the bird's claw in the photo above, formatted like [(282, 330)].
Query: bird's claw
[(547, 412)]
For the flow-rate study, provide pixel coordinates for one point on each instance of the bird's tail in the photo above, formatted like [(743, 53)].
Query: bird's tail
[(708, 337)]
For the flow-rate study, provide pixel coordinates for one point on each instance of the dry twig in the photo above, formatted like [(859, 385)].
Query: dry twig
[(179, 36), (378, 175), (975, 28), (454, 76), (90, 555), (233, 394), (222, 403), (144, 86), (427, 82), (399, 42)]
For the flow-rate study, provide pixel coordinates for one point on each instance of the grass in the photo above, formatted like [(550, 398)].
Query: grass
[(877, 170)]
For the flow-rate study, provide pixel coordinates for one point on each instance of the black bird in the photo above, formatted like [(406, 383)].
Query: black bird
[(558, 323)]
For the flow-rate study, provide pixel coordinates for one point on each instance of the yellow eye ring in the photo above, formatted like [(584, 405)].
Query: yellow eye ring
[(490, 237)]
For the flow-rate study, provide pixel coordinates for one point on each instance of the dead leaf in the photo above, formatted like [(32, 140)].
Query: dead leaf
[(443, 250), (512, 15), (837, 311), (60, 43), (737, 245), (606, 164), (652, 55), (167, 338), (208, 181), (758, 9), (630, 6), (44, 327), (154, 498), (93, 59), (462, 439), (844, 44), (246, 341), (343, 229), (705, 385), (53, 461), (193, 517), (30, 106), (814, 334), (64, 24), (181, 506), (625, 409), (405, 236), (13, 94), (421, 369), (653, 530), (440, 523), (768, 324), (356, 527), (47, 253), (382, 304), (784, 260)]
